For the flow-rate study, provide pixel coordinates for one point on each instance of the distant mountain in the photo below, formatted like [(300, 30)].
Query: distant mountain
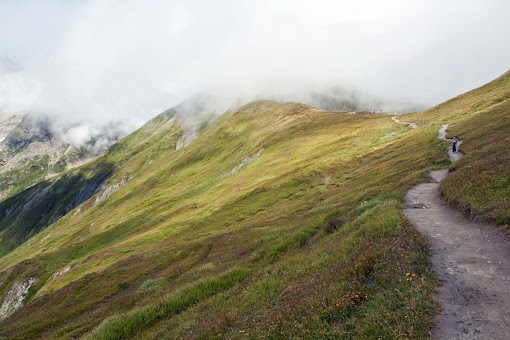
[(34, 148), (338, 98), (9, 123)]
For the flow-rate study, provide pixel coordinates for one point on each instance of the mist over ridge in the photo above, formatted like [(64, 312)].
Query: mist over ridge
[(101, 61)]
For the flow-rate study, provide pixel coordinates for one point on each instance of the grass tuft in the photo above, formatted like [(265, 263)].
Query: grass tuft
[(150, 285), (128, 324)]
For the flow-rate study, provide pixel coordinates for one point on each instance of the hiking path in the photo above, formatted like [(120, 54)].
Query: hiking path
[(472, 261)]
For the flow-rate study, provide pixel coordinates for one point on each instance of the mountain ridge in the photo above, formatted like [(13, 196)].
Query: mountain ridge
[(315, 200)]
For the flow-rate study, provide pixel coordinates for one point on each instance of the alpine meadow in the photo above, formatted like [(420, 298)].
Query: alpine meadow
[(278, 221)]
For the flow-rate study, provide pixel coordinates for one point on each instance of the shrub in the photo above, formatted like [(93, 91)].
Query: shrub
[(333, 225)]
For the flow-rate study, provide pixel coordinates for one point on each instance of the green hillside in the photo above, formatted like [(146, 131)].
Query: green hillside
[(45, 202), (279, 220), (479, 184)]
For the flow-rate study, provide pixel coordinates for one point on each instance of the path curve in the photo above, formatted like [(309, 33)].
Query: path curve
[(396, 120), (472, 260), (454, 156)]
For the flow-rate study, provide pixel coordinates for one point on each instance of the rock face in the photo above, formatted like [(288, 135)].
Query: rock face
[(27, 131), (62, 272), (111, 189), (245, 161), (36, 148), (187, 138), (14, 298), (32, 210)]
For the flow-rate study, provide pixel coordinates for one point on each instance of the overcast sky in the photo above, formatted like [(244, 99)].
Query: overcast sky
[(131, 59)]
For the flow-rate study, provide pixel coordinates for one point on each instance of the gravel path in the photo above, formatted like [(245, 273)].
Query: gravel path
[(472, 260)]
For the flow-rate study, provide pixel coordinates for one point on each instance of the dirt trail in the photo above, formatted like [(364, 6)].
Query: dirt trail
[(396, 120), (471, 259)]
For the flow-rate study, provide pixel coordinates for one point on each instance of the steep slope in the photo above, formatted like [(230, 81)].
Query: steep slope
[(34, 209), (278, 220), (33, 149), (30, 211), (252, 186), (480, 182)]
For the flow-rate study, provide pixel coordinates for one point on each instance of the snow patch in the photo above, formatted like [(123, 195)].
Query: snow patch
[(14, 298)]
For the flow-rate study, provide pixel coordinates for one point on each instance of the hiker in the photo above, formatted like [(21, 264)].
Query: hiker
[(454, 144)]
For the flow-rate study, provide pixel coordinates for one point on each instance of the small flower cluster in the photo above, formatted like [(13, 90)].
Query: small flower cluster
[(409, 276)]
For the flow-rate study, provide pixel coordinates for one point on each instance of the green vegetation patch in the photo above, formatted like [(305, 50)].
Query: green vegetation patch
[(369, 279), (151, 285), (127, 324), (479, 183), (312, 211), (327, 191)]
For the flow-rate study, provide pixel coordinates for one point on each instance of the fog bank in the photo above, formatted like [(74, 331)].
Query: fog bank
[(104, 60)]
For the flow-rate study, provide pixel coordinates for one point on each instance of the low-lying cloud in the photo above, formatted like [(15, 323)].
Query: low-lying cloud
[(106, 60)]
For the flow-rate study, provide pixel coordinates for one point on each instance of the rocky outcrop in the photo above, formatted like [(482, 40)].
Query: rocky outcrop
[(9, 123), (245, 161), (111, 189), (186, 139), (32, 210), (29, 130), (14, 298), (36, 148), (61, 272)]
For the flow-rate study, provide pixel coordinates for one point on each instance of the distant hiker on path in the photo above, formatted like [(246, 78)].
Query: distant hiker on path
[(454, 144)]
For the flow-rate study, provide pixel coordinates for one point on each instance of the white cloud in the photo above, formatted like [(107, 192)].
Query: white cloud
[(17, 92), (78, 135), (102, 60)]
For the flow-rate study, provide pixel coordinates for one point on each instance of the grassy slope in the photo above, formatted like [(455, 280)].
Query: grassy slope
[(55, 197), (307, 240), (187, 218), (480, 182)]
